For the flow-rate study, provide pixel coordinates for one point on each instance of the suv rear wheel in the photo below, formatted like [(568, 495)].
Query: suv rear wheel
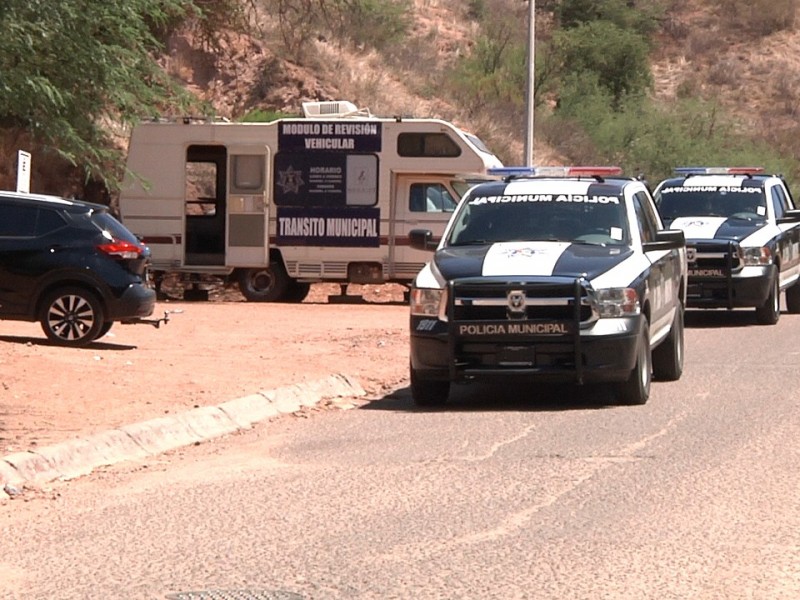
[(72, 316)]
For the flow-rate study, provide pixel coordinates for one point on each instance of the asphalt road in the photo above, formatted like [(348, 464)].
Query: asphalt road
[(507, 493)]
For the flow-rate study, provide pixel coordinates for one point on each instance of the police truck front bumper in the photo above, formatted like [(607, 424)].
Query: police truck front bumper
[(604, 350), (748, 287)]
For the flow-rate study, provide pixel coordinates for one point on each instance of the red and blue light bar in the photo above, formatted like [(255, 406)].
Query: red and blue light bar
[(572, 171), (718, 170)]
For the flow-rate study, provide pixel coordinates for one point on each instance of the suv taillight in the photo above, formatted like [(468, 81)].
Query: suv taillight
[(121, 249)]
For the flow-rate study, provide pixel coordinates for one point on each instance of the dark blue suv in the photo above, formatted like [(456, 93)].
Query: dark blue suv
[(71, 266)]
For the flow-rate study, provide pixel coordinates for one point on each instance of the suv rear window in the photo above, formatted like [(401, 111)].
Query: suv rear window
[(106, 222)]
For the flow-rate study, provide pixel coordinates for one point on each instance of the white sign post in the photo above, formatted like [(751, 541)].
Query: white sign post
[(23, 172)]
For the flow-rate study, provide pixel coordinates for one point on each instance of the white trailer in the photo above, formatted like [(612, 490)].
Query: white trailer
[(277, 206)]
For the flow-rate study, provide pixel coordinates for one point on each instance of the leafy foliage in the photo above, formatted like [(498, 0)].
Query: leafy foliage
[(259, 115), (617, 57), (215, 16), (68, 69), (640, 17), (642, 137)]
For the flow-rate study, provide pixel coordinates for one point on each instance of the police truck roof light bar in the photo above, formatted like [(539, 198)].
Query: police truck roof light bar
[(718, 170), (582, 171)]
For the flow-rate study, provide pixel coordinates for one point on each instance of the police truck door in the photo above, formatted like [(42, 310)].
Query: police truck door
[(248, 210)]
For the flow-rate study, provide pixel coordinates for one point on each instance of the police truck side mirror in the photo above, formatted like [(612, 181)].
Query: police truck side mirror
[(666, 239), (790, 216), (422, 239)]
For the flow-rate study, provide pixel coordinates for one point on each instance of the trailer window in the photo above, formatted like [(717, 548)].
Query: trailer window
[(416, 145), (248, 173), (201, 188)]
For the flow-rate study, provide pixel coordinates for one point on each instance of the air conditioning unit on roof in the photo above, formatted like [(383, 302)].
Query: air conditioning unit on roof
[(334, 108)]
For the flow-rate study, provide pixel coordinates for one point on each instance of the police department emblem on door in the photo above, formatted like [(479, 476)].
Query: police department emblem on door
[(516, 303)]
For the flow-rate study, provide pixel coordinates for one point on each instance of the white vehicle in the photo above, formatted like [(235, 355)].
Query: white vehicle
[(277, 206)]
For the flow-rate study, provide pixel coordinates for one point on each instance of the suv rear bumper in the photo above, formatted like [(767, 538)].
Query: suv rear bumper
[(605, 351), (137, 301)]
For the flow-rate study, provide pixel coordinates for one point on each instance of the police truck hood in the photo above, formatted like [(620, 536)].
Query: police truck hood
[(717, 228), (536, 258)]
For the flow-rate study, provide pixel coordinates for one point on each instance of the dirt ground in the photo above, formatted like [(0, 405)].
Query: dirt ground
[(208, 353)]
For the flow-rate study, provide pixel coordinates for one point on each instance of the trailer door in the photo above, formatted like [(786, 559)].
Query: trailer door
[(248, 208)]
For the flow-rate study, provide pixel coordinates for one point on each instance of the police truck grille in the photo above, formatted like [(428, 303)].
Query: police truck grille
[(716, 255), (495, 301)]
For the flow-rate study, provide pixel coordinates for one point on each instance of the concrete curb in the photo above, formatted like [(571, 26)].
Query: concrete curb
[(75, 458)]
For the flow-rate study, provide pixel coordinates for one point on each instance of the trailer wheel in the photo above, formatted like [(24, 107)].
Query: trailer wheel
[(296, 291), (265, 284)]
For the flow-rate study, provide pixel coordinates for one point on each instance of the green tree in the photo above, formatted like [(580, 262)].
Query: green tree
[(617, 57), (640, 16), (71, 68), (641, 136)]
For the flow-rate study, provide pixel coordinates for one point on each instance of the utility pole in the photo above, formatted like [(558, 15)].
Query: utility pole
[(531, 68)]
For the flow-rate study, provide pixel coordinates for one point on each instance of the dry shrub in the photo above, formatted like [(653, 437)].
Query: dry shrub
[(724, 72), (783, 139), (759, 17), (675, 27), (786, 91), (701, 42), (570, 138), (689, 87)]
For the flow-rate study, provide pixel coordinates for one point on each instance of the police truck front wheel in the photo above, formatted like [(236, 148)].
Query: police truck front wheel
[(265, 284), (668, 356), (428, 392), (770, 311), (793, 299), (636, 390)]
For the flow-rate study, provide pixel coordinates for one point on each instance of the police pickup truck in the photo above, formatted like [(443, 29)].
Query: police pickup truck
[(560, 274), (742, 237)]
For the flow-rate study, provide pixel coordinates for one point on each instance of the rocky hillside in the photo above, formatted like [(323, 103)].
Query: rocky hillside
[(701, 51)]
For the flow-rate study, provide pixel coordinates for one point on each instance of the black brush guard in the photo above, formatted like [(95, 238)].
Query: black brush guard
[(702, 249), (481, 304)]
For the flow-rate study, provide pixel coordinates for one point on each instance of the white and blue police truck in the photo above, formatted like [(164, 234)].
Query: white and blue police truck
[(560, 274), (742, 237)]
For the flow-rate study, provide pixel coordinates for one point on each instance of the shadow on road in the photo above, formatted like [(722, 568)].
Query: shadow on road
[(35, 341), (478, 397), (716, 318)]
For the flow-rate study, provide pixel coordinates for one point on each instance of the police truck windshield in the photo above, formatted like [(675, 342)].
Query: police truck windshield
[(574, 218), (709, 201)]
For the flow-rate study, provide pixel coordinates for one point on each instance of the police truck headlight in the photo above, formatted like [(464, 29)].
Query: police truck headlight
[(617, 302), (426, 302), (755, 257)]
